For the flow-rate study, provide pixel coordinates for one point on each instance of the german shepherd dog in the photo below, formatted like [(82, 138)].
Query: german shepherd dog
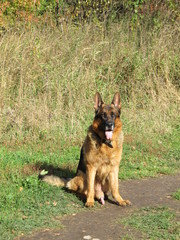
[(97, 172)]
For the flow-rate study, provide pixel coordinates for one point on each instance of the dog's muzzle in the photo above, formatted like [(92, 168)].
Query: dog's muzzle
[(109, 127)]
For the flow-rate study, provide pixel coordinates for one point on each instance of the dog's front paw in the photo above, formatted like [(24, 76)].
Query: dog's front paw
[(89, 204), (128, 203), (125, 203)]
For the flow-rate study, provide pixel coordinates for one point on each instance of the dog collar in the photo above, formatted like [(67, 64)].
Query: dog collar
[(108, 143)]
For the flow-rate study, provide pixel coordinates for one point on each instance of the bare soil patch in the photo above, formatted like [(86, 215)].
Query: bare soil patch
[(101, 223)]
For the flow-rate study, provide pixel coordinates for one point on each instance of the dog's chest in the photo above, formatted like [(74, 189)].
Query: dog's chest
[(100, 153), (106, 159), (110, 152), (108, 155)]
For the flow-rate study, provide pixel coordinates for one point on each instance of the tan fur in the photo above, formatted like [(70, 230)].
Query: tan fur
[(54, 180), (101, 158)]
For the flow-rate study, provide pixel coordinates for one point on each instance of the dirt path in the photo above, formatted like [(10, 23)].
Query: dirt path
[(101, 224)]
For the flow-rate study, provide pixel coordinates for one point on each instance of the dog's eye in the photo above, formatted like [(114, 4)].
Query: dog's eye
[(113, 115), (104, 115)]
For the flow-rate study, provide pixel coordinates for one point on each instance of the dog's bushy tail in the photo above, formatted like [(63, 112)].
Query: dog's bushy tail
[(54, 180), (77, 183)]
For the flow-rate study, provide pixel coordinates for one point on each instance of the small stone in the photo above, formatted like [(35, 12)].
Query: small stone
[(87, 237), (168, 197)]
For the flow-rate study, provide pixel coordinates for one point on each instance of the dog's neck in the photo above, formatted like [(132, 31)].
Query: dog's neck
[(108, 143), (102, 140)]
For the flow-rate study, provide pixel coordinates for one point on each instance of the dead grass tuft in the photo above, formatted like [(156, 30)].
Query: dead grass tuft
[(30, 169)]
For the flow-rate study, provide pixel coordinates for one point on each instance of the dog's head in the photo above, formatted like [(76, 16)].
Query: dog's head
[(107, 116)]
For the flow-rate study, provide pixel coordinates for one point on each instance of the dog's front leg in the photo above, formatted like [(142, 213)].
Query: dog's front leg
[(114, 182), (91, 172)]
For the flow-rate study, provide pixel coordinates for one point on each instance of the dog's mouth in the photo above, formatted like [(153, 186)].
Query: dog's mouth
[(108, 135)]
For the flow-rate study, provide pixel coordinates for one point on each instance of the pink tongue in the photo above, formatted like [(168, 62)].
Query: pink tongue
[(108, 135)]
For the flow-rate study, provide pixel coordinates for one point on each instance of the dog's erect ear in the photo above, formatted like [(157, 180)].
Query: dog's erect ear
[(117, 101), (97, 101)]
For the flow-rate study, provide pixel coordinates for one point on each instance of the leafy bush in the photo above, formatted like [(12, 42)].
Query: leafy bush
[(81, 11)]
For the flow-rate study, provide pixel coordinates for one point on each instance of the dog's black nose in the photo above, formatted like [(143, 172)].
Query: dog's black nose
[(109, 124)]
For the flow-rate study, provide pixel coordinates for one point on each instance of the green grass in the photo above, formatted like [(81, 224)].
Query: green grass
[(27, 204), (154, 223), (30, 205), (149, 157), (176, 195)]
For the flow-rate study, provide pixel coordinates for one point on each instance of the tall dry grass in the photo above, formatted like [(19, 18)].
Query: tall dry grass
[(48, 80)]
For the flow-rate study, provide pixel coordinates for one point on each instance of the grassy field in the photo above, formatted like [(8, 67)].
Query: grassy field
[(153, 223), (48, 79), (28, 204)]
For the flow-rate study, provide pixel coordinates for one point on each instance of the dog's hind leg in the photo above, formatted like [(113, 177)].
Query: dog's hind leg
[(77, 184)]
